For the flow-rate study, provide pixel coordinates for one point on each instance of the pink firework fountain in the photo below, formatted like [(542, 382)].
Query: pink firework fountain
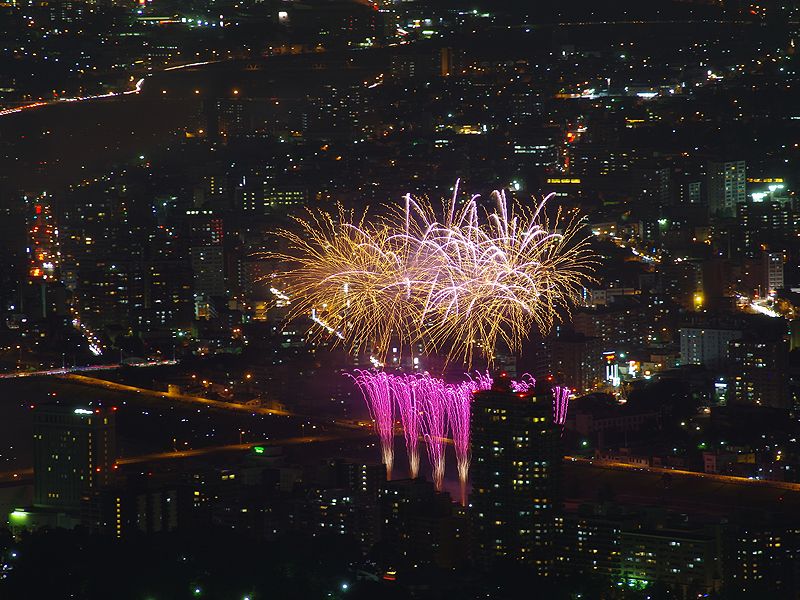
[(459, 409), (433, 402), (405, 392), (561, 396), (524, 384), (376, 389), (480, 382)]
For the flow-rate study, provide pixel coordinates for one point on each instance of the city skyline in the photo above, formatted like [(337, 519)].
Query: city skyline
[(399, 299)]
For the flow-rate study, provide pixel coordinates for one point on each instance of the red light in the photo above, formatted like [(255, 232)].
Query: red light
[(38, 209), (33, 406), (116, 467), (97, 411), (113, 408), (97, 469)]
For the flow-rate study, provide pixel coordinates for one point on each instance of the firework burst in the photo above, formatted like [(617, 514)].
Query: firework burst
[(454, 281)]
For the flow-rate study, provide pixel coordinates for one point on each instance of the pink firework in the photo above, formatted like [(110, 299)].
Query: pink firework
[(405, 392), (433, 402), (560, 404), (459, 409), (481, 381), (376, 389), (524, 384)]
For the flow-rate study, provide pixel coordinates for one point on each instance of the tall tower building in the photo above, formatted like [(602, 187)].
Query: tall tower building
[(516, 476), (772, 272), (73, 454), (727, 187)]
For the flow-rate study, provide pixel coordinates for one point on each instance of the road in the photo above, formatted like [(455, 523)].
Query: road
[(17, 109), (24, 475), (713, 477), (198, 400), (182, 398), (81, 369)]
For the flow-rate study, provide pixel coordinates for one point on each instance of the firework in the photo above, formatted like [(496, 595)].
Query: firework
[(376, 389), (560, 404), (459, 409), (453, 281), (526, 383), (494, 275), (406, 397), (433, 396), (480, 382)]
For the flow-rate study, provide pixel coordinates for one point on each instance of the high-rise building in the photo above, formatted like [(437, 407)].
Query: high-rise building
[(704, 341), (759, 368), (727, 187), (577, 360), (773, 222), (772, 271), (420, 525), (208, 266), (516, 475), (73, 454)]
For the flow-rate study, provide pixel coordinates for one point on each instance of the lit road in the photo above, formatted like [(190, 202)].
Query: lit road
[(183, 398), (600, 464), (291, 441), (24, 475), (67, 370), (137, 88), (17, 109), (760, 307), (197, 400)]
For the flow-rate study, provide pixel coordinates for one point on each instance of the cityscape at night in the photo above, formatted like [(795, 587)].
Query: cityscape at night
[(399, 299)]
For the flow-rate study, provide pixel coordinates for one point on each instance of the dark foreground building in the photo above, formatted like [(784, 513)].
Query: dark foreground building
[(73, 452), (516, 475)]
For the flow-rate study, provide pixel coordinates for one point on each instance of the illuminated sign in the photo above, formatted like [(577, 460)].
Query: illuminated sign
[(765, 180), (562, 181), (82, 411), (258, 449)]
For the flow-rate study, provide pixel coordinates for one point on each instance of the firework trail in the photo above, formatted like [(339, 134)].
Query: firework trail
[(433, 396), (405, 393), (376, 389), (459, 410), (560, 404)]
